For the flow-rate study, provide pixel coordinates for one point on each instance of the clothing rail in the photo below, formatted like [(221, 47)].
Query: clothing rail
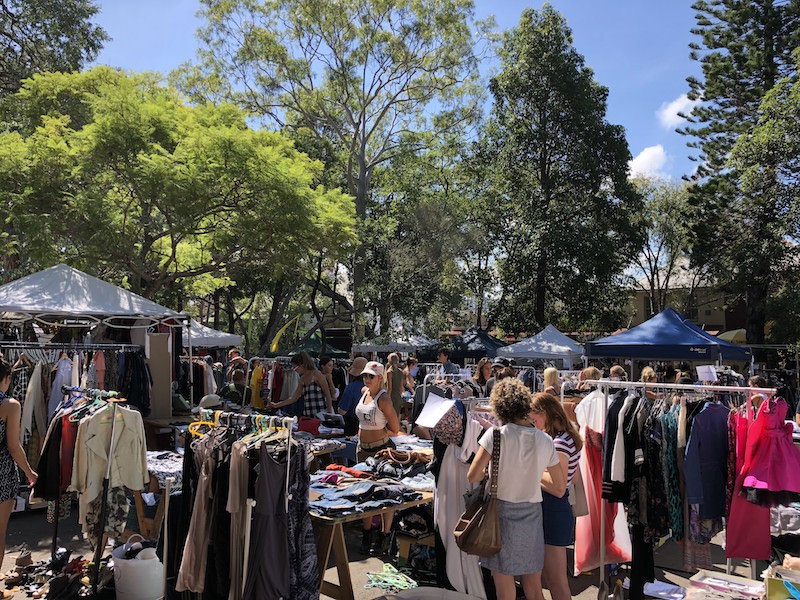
[(433, 377), (252, 359), (65, 346), (605, 384)]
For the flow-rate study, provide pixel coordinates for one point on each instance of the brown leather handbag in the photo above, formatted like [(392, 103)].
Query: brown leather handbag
[(478, 529)]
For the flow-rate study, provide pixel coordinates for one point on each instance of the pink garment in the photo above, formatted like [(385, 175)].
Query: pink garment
[(747, 534), (587, 528), (775, 464), (100, 366)]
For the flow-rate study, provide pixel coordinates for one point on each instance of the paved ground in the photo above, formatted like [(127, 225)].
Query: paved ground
[(32, 529)]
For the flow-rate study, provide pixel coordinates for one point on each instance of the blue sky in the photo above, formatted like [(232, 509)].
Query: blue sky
[(637, 48)]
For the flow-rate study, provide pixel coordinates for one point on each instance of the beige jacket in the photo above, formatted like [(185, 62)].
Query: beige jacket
[(129, 454)]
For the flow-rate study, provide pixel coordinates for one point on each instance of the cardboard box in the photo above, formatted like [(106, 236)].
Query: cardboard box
[(731, 586), (775, 588)]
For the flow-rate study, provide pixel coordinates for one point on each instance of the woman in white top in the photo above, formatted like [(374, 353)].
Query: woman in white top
[(525, 455), (377, 424)]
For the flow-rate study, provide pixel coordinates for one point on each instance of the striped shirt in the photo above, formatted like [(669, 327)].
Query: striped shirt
[(565, 445)]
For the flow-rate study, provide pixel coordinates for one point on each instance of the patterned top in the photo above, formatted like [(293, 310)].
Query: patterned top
[(313, 399), (565, 445)]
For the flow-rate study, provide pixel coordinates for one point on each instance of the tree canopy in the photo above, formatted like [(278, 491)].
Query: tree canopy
[(45, 35), (115, 173), (368, 76), (560, 173)]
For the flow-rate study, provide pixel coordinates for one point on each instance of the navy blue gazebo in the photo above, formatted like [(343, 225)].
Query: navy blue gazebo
[(667, 336)]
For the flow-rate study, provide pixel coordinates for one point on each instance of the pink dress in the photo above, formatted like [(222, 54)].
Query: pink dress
[(773, 473), (747, 530)]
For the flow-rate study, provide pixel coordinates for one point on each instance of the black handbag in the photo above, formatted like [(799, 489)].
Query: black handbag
[(478, 530)]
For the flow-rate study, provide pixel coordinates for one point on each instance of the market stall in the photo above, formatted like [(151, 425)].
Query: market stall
[(548, 345), (667, 336), (474, 344), (207, 337)]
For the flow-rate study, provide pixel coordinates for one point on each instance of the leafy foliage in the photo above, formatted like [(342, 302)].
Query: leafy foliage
[(744, 49), (768, 159), (121, 176), (362, 75), (45, 35), (565, 206)]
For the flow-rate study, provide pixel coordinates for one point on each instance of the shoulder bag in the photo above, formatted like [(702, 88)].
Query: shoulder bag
[(478, 529)]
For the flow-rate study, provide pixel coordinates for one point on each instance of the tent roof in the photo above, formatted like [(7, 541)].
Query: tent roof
[(666, 336), (548, 343), (313, 346), (407, 344), (475, 343), (62, 291), (206, 337)]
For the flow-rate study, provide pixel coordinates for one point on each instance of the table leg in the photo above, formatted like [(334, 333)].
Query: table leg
[(331, 539), (144, 528)]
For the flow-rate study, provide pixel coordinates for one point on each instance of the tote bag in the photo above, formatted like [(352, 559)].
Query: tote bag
[(478, 530)]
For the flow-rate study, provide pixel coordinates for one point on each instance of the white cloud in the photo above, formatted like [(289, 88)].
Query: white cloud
[(668, 113), (649, 162)]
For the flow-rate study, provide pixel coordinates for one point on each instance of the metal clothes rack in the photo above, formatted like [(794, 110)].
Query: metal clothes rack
[(114, 400), (252, 359), (605, 384)]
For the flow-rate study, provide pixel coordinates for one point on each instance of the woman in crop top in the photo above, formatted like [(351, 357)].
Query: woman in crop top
[(377, 422)]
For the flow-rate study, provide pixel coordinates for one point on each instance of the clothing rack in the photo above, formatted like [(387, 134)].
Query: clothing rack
[(605, 384), (113, 398), (286, 360)]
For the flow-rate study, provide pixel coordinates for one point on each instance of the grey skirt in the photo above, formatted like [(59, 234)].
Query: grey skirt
[(521, 531)]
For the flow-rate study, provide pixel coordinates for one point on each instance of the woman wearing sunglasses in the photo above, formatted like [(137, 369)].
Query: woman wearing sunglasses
[(377, 424)]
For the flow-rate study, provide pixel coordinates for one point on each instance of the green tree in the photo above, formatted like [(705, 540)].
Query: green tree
[(744, 49), (365, 74), (663, 266), (768, 160), (120, 176), (565, 205), (45, 35)]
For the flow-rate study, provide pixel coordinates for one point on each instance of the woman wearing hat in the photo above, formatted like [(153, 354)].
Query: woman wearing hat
[(351, 396), (377, 423)]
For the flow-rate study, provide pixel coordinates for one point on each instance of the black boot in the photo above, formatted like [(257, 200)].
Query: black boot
[(380, 544), (366, 542)]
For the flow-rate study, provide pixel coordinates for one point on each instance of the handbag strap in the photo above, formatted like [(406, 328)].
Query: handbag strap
[(495, 460)]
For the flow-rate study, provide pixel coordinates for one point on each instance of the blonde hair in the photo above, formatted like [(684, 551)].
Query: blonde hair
[(648, 375), (556, 418), (618, 371), (591, 373), (551, 378)]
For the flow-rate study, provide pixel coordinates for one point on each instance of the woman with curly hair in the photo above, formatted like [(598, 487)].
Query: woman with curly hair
[(559, 524), (526, 453)]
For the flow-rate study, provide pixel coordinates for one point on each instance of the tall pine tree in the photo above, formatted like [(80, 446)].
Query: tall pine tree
[(744, 48), (565, 222)]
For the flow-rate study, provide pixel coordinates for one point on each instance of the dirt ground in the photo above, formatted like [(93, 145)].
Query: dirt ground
[(31, 528)]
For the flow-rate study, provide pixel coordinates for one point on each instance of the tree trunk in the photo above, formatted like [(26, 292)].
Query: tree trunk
[(359, 266), (217, 295), (230, 310), (756, 301), (541, 290)]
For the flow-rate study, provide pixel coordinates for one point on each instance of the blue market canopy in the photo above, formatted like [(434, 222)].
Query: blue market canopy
[(475, 343), (667, 336)]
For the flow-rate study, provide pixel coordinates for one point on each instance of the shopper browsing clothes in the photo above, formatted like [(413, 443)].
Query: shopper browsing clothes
[(312, 395), (526, 453), (377, 424), (11, 456), (548, 415)]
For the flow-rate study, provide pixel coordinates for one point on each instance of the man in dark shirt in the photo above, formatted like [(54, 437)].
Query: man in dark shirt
[(235, 392), (448, 368)]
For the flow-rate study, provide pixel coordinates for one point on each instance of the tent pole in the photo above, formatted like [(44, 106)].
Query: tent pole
[(191, 366), (603, 505)]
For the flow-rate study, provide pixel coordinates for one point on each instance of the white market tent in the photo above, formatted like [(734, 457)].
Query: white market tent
[(548, 344), (206, 337), (408, 344), (62, 292)]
